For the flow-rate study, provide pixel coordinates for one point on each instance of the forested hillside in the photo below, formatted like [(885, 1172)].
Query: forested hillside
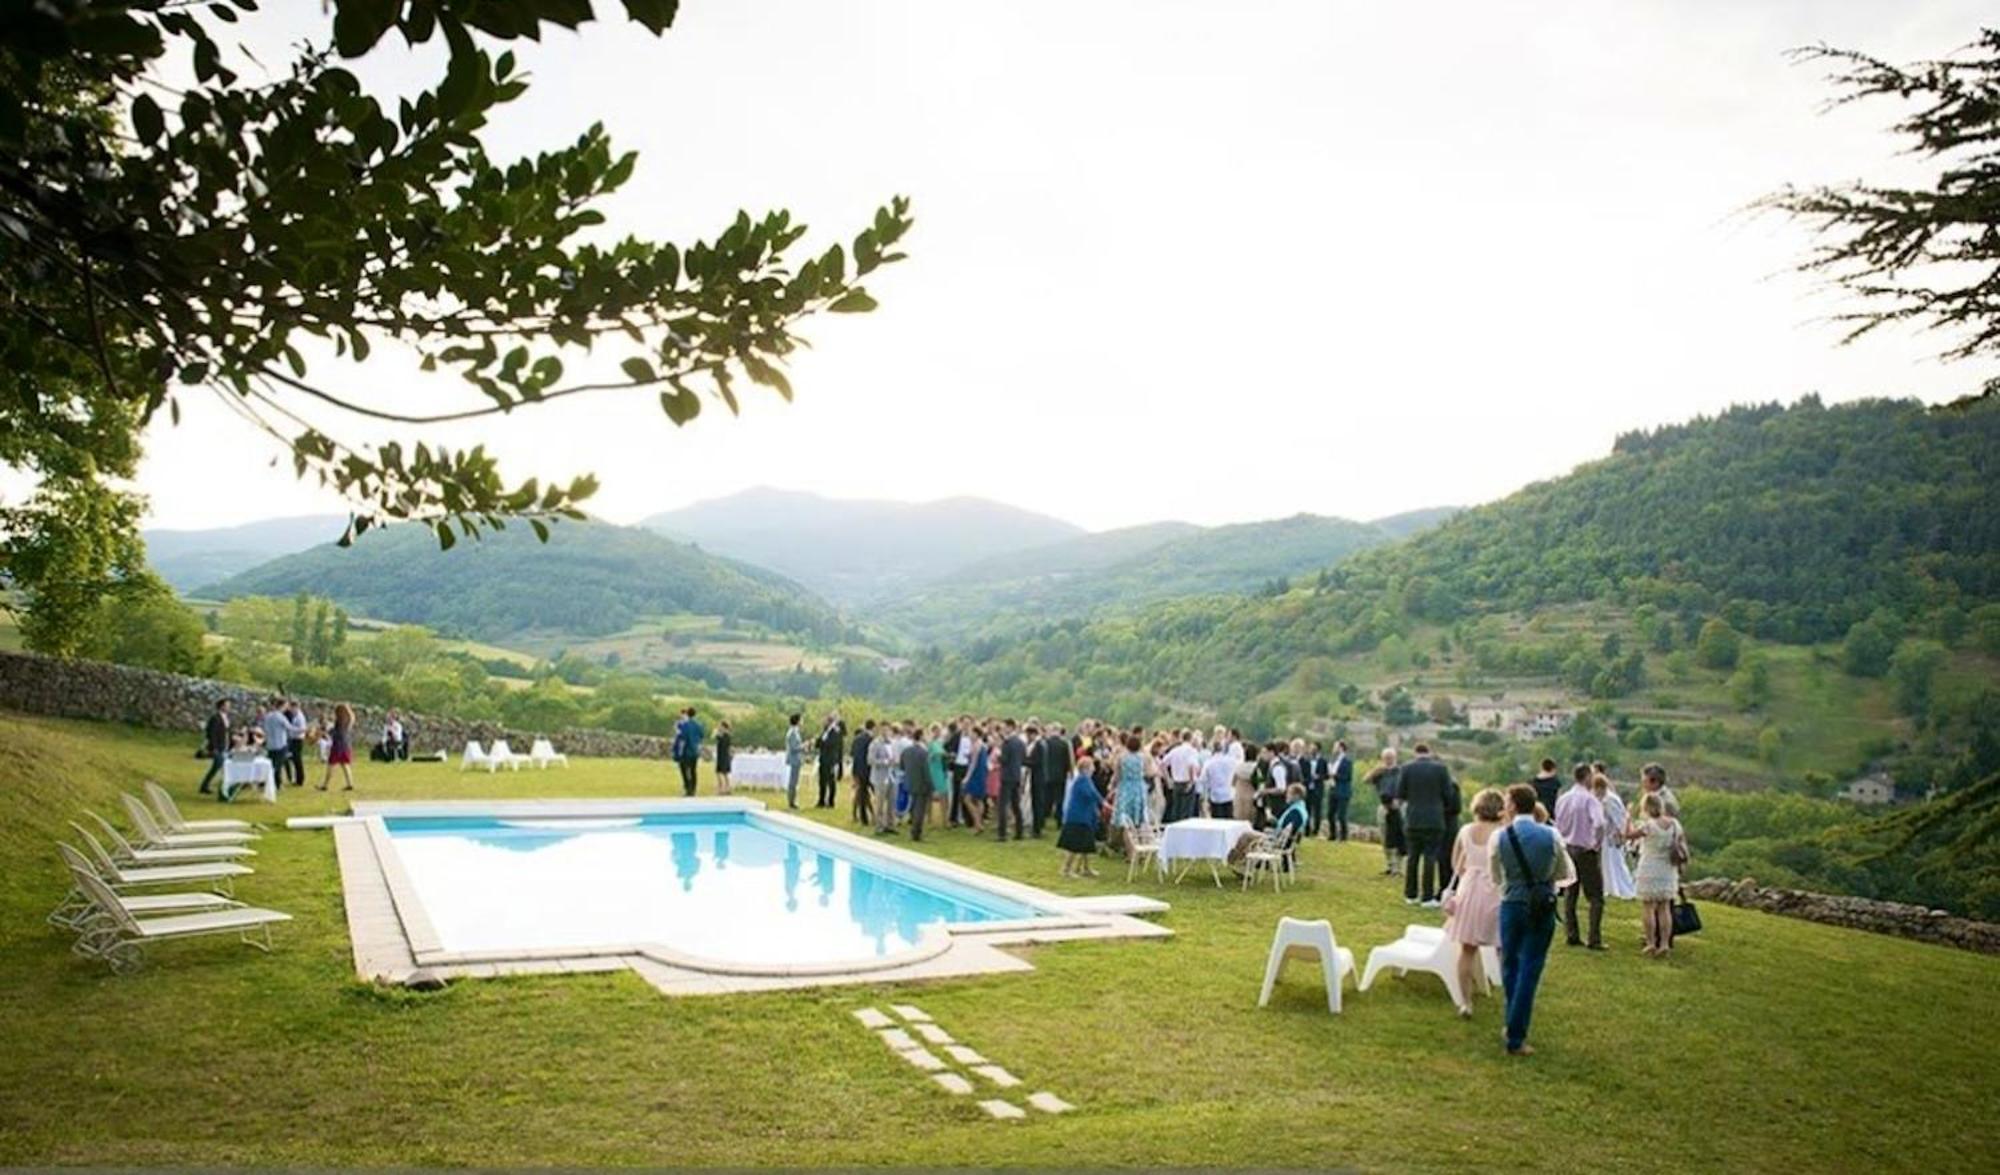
[(1789, 524), (588, 579), (188, 559), (1120, 569)]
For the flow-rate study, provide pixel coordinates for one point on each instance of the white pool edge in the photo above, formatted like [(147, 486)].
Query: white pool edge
[(950, 950)]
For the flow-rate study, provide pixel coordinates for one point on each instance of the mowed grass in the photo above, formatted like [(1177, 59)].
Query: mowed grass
[(1765, 1045)]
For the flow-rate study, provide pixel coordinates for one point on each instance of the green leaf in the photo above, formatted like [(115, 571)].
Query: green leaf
[(638, 370), (446, 539), (540, 528), (358, 24), (147, 119), (854, 301), (680, 406)]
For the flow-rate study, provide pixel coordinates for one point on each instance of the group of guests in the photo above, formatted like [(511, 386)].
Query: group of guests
[(279, 732), (1518, 868)]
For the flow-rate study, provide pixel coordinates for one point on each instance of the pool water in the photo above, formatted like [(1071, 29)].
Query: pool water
[(719, 886)]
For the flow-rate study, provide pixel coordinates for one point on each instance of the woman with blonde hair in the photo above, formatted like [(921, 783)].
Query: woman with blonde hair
[(1658, 880), (340, 747), (1473, 905)]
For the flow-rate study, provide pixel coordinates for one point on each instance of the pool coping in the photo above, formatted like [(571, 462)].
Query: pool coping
[(394, 940)]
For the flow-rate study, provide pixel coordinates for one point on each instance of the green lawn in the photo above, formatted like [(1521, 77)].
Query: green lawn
[(1766, 1045)]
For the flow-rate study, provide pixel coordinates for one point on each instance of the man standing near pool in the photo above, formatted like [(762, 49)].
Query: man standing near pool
[(916, 764), (687, 748)]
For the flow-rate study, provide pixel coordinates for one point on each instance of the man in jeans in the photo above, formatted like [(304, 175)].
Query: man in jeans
[(277, 740), (1580, 823), (1526, 859), (216, 737)]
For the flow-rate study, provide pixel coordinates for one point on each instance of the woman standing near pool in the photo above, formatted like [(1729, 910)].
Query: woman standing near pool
[(725, 756), (1078, 836), (340, 748), (975, 780), (1128, 809)]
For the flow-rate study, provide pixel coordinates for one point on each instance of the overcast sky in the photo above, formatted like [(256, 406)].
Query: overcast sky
[(1204, 261)]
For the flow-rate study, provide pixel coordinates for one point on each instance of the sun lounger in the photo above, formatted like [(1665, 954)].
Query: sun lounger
[(76, 908), (172, 820), (118, 936), (159, 838), (221, 874), (123, 850)]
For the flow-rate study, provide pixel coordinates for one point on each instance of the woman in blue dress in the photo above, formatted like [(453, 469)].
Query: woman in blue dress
[(975, 781), (1128, 804)]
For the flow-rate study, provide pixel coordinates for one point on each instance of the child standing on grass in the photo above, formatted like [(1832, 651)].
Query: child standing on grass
[(1078, 836)]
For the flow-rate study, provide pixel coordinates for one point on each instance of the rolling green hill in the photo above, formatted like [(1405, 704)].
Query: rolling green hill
[(589, 579), (1121, 569), (189, 559)]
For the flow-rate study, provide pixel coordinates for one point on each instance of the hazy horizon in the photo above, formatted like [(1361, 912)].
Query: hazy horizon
[(1180, 262)]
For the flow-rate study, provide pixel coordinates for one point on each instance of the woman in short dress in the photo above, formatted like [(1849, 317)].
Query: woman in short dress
[(1129, 802), (1474, 920), (725, 756), (975, 780), (340, 748), (1658, 880)]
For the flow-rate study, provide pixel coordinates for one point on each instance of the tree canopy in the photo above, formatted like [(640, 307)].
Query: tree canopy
[(159, 241)]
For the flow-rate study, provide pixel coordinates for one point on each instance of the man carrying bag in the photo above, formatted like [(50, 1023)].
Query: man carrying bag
[(1528, 861)]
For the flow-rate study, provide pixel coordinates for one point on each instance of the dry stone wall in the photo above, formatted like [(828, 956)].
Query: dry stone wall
[(34, 684), (1903, 921)]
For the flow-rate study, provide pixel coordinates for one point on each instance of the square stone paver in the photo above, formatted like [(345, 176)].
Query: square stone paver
[(1049, 1103), (1003, 1109), (897, 1039), (952, 1083), (911, 1012), (923, 1059), (870, 1018), (963, 1055), (997, 1076), (932, 1033)]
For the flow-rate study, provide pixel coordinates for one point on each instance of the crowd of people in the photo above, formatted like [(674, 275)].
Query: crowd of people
[(279, 733), (1506, 868)]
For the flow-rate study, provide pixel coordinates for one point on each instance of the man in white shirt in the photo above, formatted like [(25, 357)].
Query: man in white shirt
[(1218, 784), (1183, 767), (295, 728)]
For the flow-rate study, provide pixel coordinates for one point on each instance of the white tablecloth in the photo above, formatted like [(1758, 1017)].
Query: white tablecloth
[(1202, 839), (257, 771), (758, 769)]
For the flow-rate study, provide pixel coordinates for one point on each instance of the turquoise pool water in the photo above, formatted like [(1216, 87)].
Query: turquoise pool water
[(720, 886)]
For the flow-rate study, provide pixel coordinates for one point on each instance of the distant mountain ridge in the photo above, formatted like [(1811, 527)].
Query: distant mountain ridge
[(856, 550), (188, 559), (589, 579), (1124, 568)]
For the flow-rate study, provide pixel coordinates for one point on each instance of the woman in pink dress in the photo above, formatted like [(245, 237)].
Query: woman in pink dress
[(1474, 903)]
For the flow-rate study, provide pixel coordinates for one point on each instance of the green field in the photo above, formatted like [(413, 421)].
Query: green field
[(1764, 1045)]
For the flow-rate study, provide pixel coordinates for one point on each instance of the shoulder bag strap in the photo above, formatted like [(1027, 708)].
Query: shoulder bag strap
[(1521, 858)]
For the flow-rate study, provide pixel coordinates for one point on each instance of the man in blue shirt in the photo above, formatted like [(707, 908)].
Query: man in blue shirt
[(1527, 860), (687, 748)]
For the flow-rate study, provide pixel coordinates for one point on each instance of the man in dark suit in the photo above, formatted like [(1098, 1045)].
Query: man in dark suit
[(916, 765), (832, 745), (1037, 789), (1342, 792), (1313, 773), (215, 739), (864, 792), (1057, 759), (1430, 804), (1013, 758)]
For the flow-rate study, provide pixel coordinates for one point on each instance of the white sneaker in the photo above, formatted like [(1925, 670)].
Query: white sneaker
[(1409, 901), (1432, 904)]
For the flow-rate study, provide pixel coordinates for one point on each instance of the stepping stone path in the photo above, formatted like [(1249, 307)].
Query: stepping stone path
[(915, 1020)]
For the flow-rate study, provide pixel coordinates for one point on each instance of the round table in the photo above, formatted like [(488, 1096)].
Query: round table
[(251, 773), (1201, 839), (758, 769)]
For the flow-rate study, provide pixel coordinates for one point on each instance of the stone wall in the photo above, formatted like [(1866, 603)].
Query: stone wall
[(1903, 921), (34, 684)]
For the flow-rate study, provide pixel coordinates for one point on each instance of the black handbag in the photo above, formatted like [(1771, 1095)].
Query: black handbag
[(1687, 919)]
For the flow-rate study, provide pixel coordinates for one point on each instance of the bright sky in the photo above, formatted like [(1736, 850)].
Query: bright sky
[(1187, 260)]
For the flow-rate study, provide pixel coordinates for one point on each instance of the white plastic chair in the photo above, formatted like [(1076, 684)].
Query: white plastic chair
[(1145, 842), (475, 756), (1423, 948), (503, 755), (1298, 939), (1489, 957), (544, 753)]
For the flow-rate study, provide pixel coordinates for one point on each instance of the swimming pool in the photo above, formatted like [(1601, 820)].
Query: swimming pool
[(731, 887)]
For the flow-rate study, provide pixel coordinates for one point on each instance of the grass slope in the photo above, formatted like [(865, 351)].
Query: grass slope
[(1767, 1045)]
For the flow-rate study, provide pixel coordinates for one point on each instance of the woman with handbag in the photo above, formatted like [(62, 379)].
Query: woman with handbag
[(1658, 879), (1472, 906)]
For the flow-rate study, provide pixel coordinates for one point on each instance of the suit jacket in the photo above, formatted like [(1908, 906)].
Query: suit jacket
[(1056, 761), (1343, 774), (217, 734), (1430, 798), (860, 749), (916, 765), (1013, 757)]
